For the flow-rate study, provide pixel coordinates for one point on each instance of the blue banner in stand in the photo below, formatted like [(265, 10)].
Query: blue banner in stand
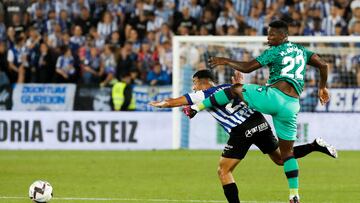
[(43, 97), (146, 94)]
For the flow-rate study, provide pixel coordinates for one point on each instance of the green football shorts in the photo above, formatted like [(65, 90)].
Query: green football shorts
[(281, 107)]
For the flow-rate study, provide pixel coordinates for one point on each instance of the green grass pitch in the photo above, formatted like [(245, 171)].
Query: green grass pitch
[(172, 176)]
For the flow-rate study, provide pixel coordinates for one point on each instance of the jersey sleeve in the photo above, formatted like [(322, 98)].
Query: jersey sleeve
[(308, 54), (195, 97), (267, 57)]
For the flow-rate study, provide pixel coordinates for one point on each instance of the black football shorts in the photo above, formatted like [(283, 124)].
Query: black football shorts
[(255, 130)]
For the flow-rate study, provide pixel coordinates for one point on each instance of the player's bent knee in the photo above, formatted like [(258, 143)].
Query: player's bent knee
[(223, 172)]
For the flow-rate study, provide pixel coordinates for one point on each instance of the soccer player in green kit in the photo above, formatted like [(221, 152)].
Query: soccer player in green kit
[(280, 98)]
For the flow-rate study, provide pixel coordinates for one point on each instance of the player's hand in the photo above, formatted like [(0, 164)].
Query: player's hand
[(217, 61), (159, 104), (189, 112), (324, 95), (238, 77)]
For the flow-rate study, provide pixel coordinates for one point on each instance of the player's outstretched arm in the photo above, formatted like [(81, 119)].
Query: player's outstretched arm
[(317, 62), (244, 67), (170, 103)]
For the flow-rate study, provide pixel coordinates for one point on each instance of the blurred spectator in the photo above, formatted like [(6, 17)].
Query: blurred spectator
[(184, 19), (314, 28), (207, 22), (195, 9), (165, 34), (224, 21), (84, 20), (106, 26), (165, 12), (114, 40), (64, 21), (14, 7), (232, 30), (76, 7), (77, 40), (125, 60), (215, 7), (98, 9), (138, 23), (39, 9), (17, 24), (17, 60), (32, 45), (139, 34), (108, 64), (39, 20), (165, 56), (294, 28), (117, 10), (51, 21), (256, 20), (92, 70), (354, 19), (122, 95), (356, 29), (62, 5), (46, 65), (154, 22), (96, 38), (134, 40), (145, 56), (328, 23), (158, 76), (55, 40), (136, 77), (2, 29), (4, 72), (10, 34), (65, 69)]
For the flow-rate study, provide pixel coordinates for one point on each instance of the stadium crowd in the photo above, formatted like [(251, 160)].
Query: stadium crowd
[(98, 41)]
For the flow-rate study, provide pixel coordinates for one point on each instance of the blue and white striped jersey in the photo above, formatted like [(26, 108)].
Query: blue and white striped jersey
[(229, 115)]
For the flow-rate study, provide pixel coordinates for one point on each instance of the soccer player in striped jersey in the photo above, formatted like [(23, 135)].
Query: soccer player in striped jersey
[(245, 127), (280, 98)]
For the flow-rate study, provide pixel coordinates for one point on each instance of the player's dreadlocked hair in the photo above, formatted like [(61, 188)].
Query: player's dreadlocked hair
[(204, 74), (280, 25)]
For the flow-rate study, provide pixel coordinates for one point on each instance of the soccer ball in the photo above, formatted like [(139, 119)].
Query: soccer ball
[(40, 191)]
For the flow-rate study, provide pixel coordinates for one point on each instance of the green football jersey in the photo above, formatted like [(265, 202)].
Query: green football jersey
[(286, 61)]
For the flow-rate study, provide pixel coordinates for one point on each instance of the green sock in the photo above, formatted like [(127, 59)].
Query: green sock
[(291, 169), (219, 98)]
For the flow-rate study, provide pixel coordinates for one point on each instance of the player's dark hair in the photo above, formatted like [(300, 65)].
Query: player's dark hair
[(204, 74), (280, 25)]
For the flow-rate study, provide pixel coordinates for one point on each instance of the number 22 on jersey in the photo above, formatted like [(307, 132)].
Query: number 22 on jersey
[(291, 63)]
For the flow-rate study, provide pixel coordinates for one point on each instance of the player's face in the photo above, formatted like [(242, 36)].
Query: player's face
[(196, 84), (275, 37), (201, 84)]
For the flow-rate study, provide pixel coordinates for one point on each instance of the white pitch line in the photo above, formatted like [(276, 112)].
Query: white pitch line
[(134, 199)]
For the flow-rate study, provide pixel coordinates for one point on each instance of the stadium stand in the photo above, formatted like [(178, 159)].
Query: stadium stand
[(139, 33)]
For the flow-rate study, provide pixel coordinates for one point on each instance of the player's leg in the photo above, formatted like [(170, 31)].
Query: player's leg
[(286, 130), (291, 167), (318, 145), (225, 169), (235, 150), (255, 96)]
